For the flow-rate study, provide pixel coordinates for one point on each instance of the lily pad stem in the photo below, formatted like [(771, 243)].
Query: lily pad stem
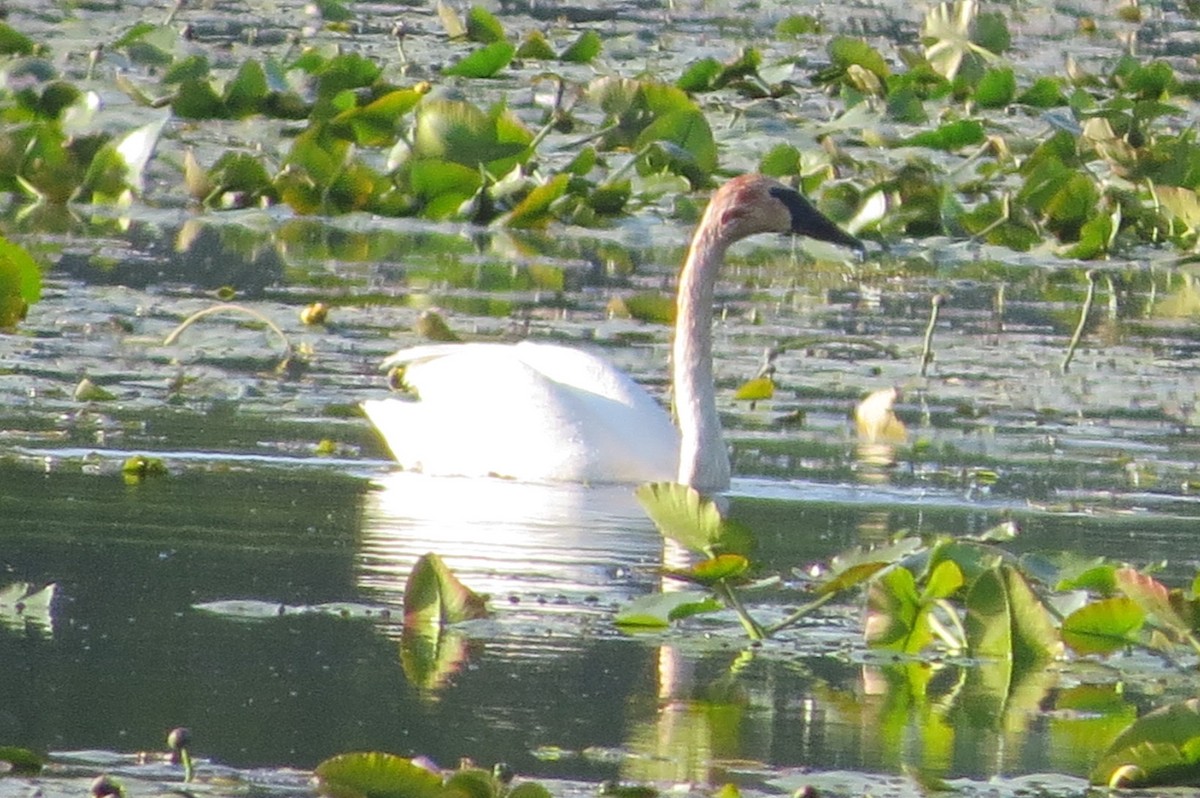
[(799, 614), (1083, 317), (235, 308), (619, 173), (555, 115), (927, 347), (751, 626), (588, 139)]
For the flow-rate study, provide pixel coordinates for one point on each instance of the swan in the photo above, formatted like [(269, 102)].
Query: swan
[(544, 412)]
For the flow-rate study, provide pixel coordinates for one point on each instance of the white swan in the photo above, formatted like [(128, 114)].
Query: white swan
[(542, 412)]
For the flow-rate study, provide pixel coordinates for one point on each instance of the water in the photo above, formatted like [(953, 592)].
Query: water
[(1100, 461)]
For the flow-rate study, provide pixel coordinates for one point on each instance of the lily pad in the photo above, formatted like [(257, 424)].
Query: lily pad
[(1160, 749)]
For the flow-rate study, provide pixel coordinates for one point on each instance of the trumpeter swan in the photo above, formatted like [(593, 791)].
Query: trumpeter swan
[(543, 412)]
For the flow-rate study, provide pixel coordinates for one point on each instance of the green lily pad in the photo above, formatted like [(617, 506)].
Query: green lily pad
[(484, 62), (534, 209), (483, 27), (950, 136), (534, 47), (1159, 749), (1006, 620), (658, 610), (1104, 626), (691, 520), (584, 49), (20, 283), (434, 597), (375, 775)]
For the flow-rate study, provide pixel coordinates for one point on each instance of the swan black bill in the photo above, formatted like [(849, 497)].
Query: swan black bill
[(808, 221)]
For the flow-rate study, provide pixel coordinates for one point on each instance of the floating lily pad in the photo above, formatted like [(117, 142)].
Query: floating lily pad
[(1160, 749)]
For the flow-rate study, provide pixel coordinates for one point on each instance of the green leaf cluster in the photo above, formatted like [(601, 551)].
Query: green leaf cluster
[(375, 774)]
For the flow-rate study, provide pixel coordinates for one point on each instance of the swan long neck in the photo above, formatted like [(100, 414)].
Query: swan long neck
[(703, 459)]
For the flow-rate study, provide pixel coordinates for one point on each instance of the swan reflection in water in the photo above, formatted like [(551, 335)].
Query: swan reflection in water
[(576, 545), (584, 549)]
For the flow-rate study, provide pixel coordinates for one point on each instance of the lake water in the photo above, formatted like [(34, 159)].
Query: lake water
[(254, 593)]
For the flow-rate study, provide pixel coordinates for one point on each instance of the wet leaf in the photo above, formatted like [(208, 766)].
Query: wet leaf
[(20, 283), (88, 391), (583, 50), (483, 27), (996, 88), (434, 597), (845, 52), (238, 179), (1046, 92), (851, 576), (12, 42), (655, 307), (375, 775), (713, 570), (895, 615), (693, 151), (1096, 236), (944, 581), (246, 93), (139, 467), (529, 789), (192, 67), (458, 131), (691, 520), (377, 123), (535, 47), (1006, 620), (1161, 748), (484, 62), (1104, 626), (432, 327), (950, 136), (454, 26), (1182, 203), (442, 186), (700, 75), (196, 99), (534, 209), (1155, 600), (658, 610), (430, 657), (755, 390), (797, 25)]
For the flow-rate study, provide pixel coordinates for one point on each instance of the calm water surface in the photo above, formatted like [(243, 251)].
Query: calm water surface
[(142, 634)]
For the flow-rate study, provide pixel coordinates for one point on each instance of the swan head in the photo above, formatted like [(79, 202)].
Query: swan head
[(752, 204)]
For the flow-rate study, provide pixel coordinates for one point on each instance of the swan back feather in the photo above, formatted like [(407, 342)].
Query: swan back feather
[(536, 412)]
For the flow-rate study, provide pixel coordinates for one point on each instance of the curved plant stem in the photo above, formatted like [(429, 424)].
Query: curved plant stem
[(800, 613), (927, 348), (1083, 317), (233, 308), (752, 627)]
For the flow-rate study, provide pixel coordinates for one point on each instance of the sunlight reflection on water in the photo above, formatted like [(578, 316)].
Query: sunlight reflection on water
[(550, 542)]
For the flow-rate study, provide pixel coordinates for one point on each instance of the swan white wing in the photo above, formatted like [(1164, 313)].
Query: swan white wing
[(487, 409)]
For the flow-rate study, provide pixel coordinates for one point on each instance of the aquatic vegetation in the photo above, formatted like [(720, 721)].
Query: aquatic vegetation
[(1106, 163), (20, 283), (926, 599), (375, 775)]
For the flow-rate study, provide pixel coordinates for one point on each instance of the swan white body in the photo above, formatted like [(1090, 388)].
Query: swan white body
[(542, 412), (529, 411)]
